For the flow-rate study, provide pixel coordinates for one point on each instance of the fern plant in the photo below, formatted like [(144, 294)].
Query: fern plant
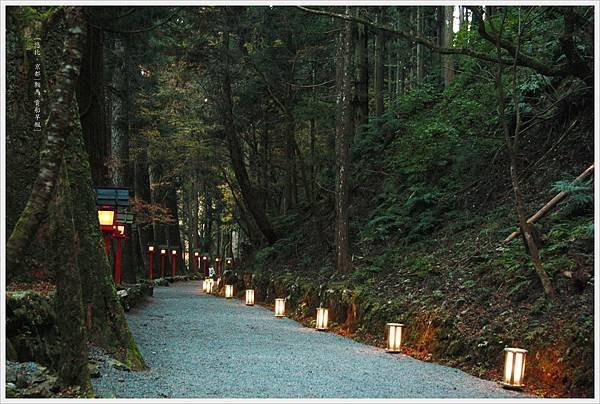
[(581, 196)]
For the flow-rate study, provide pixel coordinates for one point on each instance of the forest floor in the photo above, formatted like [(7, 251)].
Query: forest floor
[(197, 345)]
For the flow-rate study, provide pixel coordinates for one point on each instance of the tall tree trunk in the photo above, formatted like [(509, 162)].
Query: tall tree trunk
[(399, 64), (362, 80), (143, 194), (448, 34), (22, 162), (208, 220), (73, 367), (440, 21), (194, 219), (107, 326), (420, 59), (313, 158), (92, 106), (173, 231), (251, 197), (121, 167), (343, 136), (60, 125), (513, 147), (379, 66), (290, 167)]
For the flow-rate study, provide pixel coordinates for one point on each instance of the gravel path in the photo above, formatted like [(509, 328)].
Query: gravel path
[(200, 346)]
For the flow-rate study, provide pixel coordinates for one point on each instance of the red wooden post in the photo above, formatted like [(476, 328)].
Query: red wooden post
[(106, 242), (195, 263), (162, 265), (205, 261), (174, 269), (118, 262)]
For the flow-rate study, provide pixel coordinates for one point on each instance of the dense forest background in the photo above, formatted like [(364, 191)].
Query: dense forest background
[(370, 158)]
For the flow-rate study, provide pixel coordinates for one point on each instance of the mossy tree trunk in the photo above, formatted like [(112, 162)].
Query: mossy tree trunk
[(72, 367), (105, 318), (343, 136), (68, 236), (51, 155)]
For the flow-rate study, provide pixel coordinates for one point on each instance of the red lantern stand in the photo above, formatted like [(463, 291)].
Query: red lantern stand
[(119, 235), (218, 266), (205, 263), (163, 252), (174, 262), (107, 216), (151, 251), (196, 258)]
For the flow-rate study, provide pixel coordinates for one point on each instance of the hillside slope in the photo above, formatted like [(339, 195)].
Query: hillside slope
[(431, 204)]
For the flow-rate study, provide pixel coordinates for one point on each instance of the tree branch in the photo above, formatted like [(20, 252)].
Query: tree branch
[(522, 60)]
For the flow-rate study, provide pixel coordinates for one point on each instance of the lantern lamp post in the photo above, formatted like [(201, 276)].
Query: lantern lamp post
[(107, 216), (120, 235), (174, 262), (514, 368), (205, 264), (322, 319), (393, 332), (229, 262), (196, 257), (151, 251), (249, 297), (228, 291), (163, 253), (108, 200), (279, 308)]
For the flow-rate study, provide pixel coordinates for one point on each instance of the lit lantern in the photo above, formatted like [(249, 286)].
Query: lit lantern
[(163, 251), (173, 252), (514, 367), (393, 332), (279, 307), (228, 291), (107, 217), (207, 285), (322, 315), (249, 297), (151, 249)]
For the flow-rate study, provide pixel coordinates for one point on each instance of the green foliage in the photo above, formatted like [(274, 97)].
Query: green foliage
[(263, 255), (580, 198)]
